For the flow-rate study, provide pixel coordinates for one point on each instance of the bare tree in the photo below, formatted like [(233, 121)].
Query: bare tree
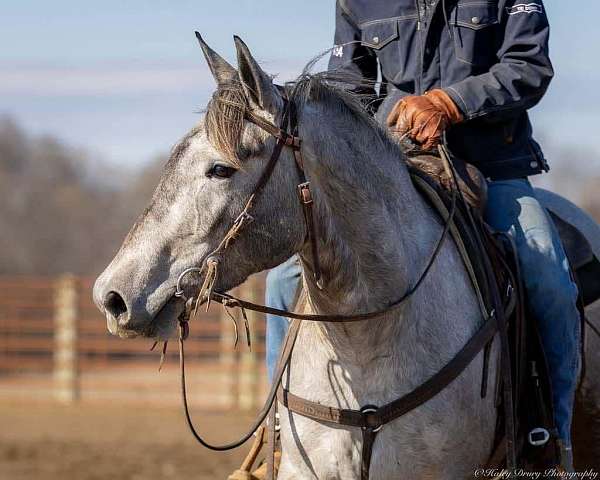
[(56, 213)]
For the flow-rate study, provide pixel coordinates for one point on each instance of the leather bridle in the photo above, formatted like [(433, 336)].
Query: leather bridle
[(291, 140), (370, 418)]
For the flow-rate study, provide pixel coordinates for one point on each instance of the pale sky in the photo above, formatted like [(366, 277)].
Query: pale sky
[(124, 79)]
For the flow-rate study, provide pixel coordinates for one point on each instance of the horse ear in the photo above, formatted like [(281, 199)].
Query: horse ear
[(221, 70), (257, 84)]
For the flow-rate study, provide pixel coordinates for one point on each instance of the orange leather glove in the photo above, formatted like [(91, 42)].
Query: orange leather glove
[(424, 118)]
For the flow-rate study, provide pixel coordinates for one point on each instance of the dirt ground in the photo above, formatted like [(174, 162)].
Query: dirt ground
[(89, 442)]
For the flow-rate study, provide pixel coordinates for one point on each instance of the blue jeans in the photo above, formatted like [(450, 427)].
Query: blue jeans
[(282, 284), (551, 292)]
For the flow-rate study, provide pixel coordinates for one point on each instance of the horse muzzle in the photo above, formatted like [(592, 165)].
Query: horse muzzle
[(129, 314)]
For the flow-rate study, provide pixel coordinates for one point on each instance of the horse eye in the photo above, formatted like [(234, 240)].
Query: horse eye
[(220, 171)]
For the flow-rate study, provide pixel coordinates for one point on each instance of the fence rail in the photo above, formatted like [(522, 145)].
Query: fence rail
[(54, 345)]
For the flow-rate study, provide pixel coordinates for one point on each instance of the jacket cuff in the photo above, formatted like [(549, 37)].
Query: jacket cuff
[(460, 102)]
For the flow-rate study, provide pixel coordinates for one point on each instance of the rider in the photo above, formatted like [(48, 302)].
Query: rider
[(471, 69)]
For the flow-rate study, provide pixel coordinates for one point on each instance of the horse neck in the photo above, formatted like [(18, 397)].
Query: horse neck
[(375, 233)]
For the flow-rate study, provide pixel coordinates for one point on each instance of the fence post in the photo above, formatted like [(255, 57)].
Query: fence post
[(66, 374), (249, 371)]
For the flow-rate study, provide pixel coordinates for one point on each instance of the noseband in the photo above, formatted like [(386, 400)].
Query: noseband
[(370, 418)]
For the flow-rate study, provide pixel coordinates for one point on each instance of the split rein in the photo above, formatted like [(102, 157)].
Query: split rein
[(212, 261)]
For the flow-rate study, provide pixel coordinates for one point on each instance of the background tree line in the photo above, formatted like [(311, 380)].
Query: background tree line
[(61, 210)]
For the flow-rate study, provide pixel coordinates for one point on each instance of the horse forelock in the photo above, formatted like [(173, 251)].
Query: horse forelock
[(224, 121)]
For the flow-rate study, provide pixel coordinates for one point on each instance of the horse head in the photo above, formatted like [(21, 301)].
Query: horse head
[(209, 176)]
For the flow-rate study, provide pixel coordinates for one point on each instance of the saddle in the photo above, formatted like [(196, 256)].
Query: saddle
[(471, 182), (536, 444), (473, 187), (493, 266)]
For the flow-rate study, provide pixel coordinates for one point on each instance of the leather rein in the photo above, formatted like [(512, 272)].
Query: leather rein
[(370, 418)]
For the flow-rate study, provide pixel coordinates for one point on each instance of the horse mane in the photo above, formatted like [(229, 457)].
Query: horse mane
[(225, 114), (340, 91)]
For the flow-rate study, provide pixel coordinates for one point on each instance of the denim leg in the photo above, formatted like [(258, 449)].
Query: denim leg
[(552, 294), (282, 283)]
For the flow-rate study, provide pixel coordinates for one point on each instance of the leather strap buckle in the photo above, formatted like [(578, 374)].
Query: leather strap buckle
[(538, 437), (305, 193), (289, 140), (371, 419)]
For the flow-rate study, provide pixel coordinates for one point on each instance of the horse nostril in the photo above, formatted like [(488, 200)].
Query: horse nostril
[(115, 305)]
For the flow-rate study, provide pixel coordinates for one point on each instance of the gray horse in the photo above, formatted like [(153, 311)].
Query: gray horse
[(375, 235)]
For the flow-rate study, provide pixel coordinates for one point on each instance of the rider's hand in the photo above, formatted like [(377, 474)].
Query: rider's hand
[(424, 118)]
